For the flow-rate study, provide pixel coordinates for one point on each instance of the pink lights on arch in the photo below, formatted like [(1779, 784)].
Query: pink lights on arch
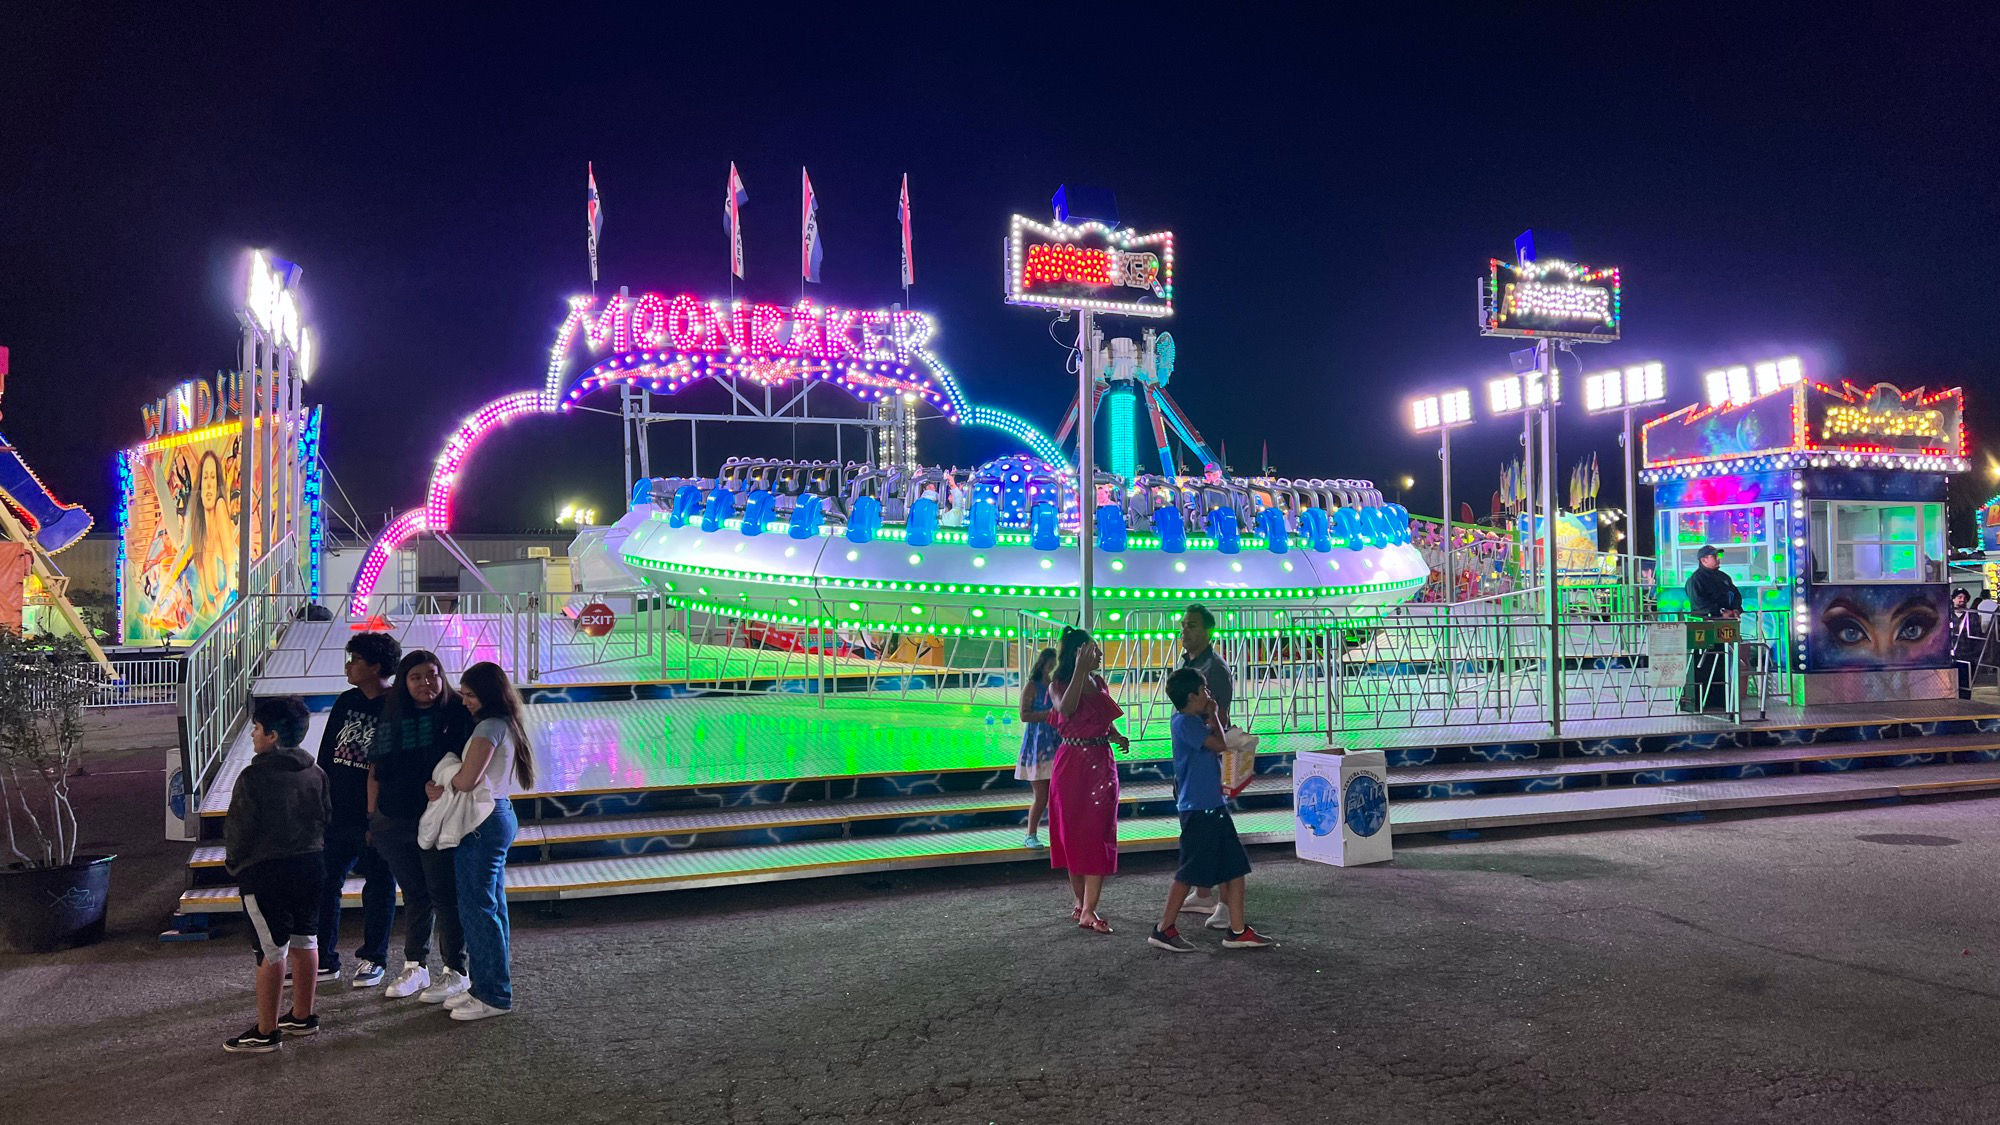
[(444, 477), (737, 330)]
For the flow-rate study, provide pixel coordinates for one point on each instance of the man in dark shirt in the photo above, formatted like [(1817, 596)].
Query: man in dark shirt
[(344, 752), (1711, 592), (1712, 595)]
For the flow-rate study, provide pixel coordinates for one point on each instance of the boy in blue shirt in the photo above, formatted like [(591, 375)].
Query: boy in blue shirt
[(1211, 855)]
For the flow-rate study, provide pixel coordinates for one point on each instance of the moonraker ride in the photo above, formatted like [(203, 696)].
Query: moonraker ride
[(820, 546)]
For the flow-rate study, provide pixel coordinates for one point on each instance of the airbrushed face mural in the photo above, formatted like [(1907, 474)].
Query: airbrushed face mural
[(1878, 627)]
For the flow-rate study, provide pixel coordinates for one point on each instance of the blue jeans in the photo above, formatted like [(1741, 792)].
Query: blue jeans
[(347, 850), (482, 904)]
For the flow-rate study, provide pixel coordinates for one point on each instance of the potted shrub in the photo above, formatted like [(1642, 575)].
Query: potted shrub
[(50, 897)]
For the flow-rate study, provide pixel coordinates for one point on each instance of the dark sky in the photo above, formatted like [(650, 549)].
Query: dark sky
[(1817, 182)]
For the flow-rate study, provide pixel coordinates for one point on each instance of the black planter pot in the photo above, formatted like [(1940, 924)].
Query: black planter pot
[(43, 909)]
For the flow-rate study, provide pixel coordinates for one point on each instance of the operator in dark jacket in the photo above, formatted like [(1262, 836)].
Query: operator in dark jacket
[(1712, 593)]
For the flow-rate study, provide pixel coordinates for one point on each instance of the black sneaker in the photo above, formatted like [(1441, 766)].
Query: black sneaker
[(1170, 940), (292, 1027), (254, 1042), (326, 974)]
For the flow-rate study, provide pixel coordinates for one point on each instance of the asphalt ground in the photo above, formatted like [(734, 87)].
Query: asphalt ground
[(1836, 965)]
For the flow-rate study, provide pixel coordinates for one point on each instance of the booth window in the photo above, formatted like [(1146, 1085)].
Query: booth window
[(1863, 541), (1743, 531)]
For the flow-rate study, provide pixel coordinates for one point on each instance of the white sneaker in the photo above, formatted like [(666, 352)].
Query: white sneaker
[(1220, 919), (461, 1000), (413, 979), (1197, 905), (477, 1010), (449, 984), (1031, 841)]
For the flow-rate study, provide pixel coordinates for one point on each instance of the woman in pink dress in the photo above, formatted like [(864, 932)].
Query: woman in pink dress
[(1083, 808)]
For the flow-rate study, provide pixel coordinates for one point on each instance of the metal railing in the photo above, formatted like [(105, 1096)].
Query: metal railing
[(215, 692)]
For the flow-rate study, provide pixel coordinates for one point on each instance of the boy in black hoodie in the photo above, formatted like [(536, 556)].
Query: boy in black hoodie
[(278, 812)]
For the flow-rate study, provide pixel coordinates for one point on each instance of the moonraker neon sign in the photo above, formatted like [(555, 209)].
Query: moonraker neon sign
[(669, 343)]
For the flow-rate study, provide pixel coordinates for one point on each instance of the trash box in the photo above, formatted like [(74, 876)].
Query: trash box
[(1340, 806)]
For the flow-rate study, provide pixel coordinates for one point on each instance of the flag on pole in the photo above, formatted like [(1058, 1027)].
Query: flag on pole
[(733, 199), (909, 255), (593, 210), (810, 250)]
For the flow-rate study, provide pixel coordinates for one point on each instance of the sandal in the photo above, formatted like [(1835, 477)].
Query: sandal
[(1095, 925), (1076, 914)]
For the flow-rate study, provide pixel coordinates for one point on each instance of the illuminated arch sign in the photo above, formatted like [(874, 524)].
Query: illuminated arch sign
[(668, 343), (1551, 298), (1090, 267)]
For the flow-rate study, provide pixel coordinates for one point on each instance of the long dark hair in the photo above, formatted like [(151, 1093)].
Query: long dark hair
[(1073, 640), (1045, 662), (499, 700), (398, 701)]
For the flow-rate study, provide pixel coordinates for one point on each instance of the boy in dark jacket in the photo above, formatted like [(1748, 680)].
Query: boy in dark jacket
[(278, 813)]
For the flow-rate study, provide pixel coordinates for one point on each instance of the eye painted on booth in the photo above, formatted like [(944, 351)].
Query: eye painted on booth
[(1845, 624), (1914, 621)]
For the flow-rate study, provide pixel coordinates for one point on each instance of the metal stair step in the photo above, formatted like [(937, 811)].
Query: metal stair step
[(1691, 759)]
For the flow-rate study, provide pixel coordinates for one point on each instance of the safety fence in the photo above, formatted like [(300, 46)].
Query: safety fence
[(215, 690)]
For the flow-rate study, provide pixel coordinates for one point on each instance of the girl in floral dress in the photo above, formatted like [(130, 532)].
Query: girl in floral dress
[(1083, 813)]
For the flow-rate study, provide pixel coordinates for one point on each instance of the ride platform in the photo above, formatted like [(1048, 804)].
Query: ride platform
[(643, 795)]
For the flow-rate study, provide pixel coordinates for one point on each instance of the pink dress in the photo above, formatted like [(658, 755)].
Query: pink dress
[(1083, 794)]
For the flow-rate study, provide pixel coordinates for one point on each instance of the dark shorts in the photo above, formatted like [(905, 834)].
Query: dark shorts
[(1210, 852), (281, 900)]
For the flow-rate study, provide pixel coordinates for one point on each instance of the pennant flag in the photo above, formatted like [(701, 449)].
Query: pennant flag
[(594, 210), (734, 197), (810, 250), (909, 255)]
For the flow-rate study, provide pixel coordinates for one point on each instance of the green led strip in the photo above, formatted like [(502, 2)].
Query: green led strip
[(897, 534), (916, 624), (1117, 592)]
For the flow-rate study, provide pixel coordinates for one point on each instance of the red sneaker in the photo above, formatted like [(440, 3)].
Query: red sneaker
[(1246, 938)]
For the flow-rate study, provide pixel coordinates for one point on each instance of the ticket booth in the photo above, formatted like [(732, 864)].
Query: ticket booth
[(1828, 504)]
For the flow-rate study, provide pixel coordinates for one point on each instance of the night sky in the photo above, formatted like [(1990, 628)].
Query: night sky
[(1769, 185)]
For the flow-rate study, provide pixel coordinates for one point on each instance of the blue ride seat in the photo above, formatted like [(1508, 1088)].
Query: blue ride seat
[(1222, 528), (865, 520), (983, 528), (720, 506), (1043, 534), (757, 510), (807, 516), (920, 528), (1110, 528), (687, 501), (1171, 527), (1271, 525), (1313, 525)]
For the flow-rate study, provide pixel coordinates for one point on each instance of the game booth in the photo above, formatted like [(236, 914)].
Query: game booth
[(1828, 504)]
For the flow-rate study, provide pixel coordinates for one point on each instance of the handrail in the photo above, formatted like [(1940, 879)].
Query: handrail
[(215, 695)]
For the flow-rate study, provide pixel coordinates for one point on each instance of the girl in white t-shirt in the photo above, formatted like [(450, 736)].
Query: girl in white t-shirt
[(497, 757)]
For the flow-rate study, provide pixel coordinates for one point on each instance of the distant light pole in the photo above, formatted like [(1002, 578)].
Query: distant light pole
[(1641, 384), (1443, 412)]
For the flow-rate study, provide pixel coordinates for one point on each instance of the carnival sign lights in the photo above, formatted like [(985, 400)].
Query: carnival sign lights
[(271, 299), (1551, 297), (668, 343), (1090, 266)]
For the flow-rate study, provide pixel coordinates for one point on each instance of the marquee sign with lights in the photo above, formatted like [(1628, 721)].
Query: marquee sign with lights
[(1090, 266), (1811, 423), (1551, 298), (193, 405)]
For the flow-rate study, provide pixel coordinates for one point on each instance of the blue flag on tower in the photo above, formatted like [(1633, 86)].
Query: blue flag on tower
[(810, 250), (732, 219), (594, 210)]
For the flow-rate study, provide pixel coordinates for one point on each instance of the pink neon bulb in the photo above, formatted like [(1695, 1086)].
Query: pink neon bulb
[(395, 535), (444, 479)]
